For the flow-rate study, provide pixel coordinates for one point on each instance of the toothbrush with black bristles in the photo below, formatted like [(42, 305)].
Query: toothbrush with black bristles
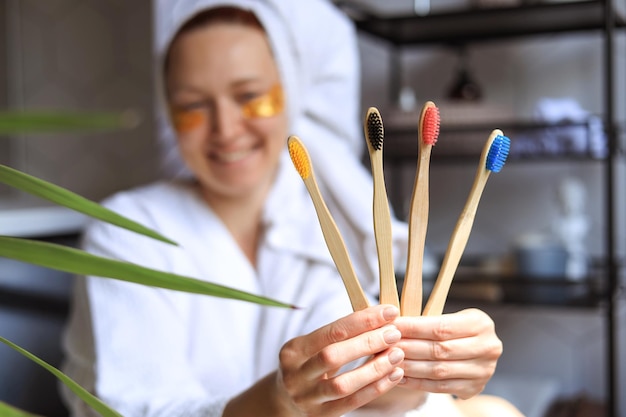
[(492, 159), (374, 135)]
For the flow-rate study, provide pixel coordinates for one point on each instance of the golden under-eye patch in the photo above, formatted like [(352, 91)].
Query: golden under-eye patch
[(267, 105), (187, 120)]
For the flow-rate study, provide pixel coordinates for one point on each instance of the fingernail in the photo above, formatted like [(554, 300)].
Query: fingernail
[(396, 356), (392, 335), (396, 374), (390, 313)]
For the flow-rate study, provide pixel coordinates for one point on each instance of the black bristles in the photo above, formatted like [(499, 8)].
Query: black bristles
[(375, 130)]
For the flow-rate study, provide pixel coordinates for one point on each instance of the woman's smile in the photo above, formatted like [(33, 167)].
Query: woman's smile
[(232, 156)]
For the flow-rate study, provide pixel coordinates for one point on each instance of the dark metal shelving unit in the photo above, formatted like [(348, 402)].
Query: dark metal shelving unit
[(485, 24), (492, 24), (469, 138)]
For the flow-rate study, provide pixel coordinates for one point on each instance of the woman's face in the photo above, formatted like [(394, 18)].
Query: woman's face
[(225, 99)]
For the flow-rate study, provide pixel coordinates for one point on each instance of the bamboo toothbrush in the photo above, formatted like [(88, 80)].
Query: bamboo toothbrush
[(332, 236), (374, 135), (493, 157), (418, 217)]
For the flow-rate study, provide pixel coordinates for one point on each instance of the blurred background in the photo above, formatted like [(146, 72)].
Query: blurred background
[(564, 333)]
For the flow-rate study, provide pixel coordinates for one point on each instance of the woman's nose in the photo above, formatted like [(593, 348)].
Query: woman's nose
[(227, 120)]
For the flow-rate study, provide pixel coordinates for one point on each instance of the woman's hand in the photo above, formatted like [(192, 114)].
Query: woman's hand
[(308, 378), (453, 353)]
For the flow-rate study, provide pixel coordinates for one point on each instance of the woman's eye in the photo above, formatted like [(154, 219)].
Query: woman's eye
[(248, 96)]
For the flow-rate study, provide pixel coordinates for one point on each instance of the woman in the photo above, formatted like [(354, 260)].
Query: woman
[(235, 84)]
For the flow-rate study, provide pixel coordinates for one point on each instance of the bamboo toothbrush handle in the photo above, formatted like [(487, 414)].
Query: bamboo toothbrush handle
[(337, 248), (382, 231), (460, 236), (411, 302)]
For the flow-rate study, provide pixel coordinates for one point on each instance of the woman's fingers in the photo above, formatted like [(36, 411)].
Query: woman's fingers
[(347, 328), (442, 370), (462, 377), (454, 353), (309, 364), (341, 353), (351, 389), (325, 339), (462, 388), (363, 396), (466, 323), (469, 348), (467, 335), (348, 383)]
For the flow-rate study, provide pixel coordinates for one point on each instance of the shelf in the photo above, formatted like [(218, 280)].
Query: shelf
[(586, 293), (530, 141), (34, 303), (519, 290), (483, 24)]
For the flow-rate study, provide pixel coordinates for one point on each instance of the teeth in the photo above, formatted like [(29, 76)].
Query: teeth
[(232, 156)]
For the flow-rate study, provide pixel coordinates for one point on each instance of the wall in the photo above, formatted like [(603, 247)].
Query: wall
[(556, 344), (84, 56), (89, 55), (4, 143)]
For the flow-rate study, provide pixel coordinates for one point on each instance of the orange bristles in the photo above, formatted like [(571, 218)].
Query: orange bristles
[(299, 157)]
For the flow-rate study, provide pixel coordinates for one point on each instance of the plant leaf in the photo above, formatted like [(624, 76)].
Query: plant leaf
[(79, 262), (49, 122), (61, 196), (91, 400), (7, 410)]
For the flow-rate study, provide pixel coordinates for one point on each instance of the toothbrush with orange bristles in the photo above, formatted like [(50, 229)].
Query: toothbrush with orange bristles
[(332, 236), (428, 132), (492, 159), (374, 135)]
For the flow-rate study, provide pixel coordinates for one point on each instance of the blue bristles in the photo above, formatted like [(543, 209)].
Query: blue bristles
[(498, 152)]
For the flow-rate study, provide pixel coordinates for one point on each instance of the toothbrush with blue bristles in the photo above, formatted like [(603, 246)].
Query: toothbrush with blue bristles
[(492, 159)]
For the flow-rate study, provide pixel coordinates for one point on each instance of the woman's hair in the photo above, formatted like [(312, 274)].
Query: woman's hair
[(223, 14)]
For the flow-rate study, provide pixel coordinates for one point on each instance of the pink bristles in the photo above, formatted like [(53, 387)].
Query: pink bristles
[(430, 125)]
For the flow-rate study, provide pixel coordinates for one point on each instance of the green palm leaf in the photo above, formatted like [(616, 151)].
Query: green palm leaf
[(91, 400), (61, 196), (75, 261), (8, 411), (48, 122)]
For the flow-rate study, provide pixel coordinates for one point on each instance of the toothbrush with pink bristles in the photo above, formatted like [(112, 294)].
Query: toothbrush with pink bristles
[(411, 303)]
